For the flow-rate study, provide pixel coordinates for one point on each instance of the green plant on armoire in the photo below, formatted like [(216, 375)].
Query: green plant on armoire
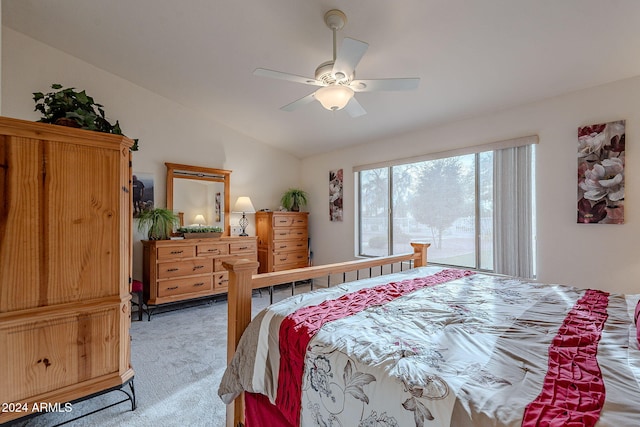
[(68, 107)]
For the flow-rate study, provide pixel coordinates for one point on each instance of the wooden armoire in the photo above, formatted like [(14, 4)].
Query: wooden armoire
[(65, 264)]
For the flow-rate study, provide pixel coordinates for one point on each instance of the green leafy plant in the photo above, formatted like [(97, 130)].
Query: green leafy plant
[(158, 223), (199, 229), (67, 107), (293, 199)]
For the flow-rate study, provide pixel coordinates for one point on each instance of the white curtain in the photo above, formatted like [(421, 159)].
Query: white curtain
[(513, 211)]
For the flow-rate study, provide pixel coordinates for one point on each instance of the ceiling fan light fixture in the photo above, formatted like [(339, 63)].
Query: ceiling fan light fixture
[(334, 97)]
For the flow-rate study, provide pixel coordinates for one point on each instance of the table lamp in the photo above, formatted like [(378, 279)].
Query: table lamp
[(199, 219), (244, 205)]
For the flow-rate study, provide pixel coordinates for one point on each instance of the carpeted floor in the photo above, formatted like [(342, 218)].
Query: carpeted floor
[(178, 357)]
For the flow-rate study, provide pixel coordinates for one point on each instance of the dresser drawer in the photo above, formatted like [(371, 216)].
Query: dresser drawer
[(213, 249), (176, 252), (185, 286), (282, 220), (290, 245), (282, 267), (167, 270), (289, 233), (281, 258), (242, 247), (221, 281)]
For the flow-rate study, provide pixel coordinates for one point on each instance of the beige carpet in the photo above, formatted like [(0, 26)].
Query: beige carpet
[(179, 357)]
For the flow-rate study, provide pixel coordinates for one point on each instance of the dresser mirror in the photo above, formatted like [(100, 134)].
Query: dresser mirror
[(199, 195)]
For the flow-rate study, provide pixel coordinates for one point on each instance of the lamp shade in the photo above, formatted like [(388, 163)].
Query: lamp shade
[(334, 97), (199, 219), (243, 205)]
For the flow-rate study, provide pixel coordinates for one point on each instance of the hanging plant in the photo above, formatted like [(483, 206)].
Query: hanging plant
[(67, 107)]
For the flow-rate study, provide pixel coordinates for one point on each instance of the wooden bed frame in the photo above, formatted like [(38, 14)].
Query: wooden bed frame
[(242, 282)]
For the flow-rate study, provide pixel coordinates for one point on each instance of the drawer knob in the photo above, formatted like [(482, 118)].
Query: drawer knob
[(176, 252), (172, 288), (197, 267), (195, 285), (243, 247), (224, 281), (172, 269), (213, 250)]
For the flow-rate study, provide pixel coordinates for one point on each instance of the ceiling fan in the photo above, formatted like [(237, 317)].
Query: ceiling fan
[(336, 77)]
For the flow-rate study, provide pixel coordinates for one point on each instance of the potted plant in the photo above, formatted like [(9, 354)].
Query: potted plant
[(293, 199), (199, 232), (67, 107), (158, 223)]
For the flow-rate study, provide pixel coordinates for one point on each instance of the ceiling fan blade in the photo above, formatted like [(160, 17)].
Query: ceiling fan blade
[(354, 108), (263, 72), (299, 103), (384, 84), (350, 54)]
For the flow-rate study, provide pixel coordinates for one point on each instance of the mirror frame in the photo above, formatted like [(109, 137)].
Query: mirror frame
[(177, 171)]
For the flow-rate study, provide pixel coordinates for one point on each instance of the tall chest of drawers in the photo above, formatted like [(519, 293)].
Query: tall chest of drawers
[(179, 270), (283, 240)]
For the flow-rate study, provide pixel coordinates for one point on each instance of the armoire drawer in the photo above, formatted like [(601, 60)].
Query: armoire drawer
[(58, 352)]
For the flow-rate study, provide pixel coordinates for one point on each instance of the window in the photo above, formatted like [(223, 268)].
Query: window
[(451, 202)]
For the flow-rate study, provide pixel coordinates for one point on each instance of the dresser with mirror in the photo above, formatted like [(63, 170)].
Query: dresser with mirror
[(186, 269)]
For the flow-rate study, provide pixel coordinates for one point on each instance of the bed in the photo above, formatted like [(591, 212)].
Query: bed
[(431, 346)]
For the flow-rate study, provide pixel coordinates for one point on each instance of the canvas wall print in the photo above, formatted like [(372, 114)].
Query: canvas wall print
[(601, 154), (142, 189), (335, 195), (218, 199)]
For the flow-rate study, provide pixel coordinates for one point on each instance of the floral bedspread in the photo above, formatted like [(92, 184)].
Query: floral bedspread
[(472, 351)]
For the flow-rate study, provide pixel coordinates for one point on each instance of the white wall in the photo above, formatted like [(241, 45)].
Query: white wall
[(584, 255), (167, 131), (600, 256)]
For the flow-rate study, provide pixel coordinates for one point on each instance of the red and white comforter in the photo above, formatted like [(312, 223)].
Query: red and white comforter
[(443, 347)]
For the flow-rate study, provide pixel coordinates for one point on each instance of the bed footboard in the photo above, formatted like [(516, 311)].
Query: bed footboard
[(242, 283)]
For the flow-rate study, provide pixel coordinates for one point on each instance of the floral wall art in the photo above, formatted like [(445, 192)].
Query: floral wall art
[(601, 157), (335, 195)]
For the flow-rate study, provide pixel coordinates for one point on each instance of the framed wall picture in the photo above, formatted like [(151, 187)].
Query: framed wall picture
[(601, 170), (335, 195), (142, 189)]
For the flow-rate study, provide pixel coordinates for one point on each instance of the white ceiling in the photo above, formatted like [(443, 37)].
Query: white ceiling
[(473, 56)]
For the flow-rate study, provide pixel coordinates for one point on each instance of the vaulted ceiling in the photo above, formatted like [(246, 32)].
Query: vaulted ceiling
[(472, 56)]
